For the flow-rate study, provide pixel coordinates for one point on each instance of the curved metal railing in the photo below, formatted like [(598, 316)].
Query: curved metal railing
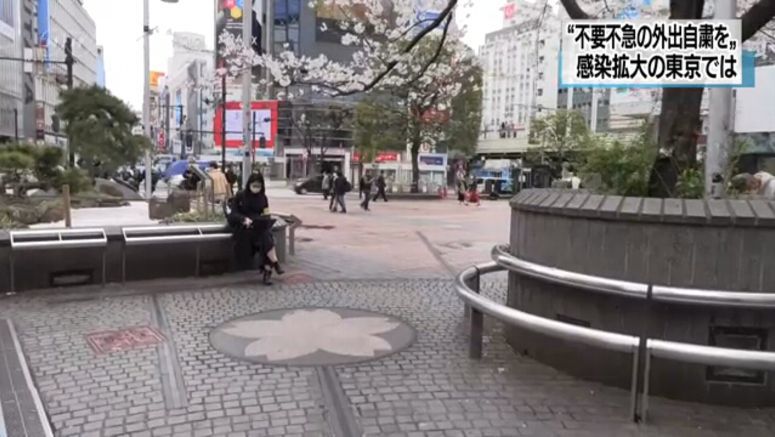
[(659, 293), (467, 287)]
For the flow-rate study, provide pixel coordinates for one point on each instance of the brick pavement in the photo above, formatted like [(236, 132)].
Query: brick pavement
[(372, 262)]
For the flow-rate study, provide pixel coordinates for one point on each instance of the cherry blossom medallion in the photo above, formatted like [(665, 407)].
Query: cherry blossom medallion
[(312, 337)]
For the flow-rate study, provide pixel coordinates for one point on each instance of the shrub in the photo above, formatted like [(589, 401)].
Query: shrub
[(620, 167)]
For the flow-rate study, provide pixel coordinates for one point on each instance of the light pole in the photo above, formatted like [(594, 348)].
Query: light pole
[(147, 92), (247, 38)]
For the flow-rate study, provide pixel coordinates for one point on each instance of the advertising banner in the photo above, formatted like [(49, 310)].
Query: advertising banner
[(266, 123), (44, 27), (229, 19)]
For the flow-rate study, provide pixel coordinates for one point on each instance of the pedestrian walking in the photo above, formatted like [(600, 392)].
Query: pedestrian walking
[(326, 184), (366, 182), (341, 187), (461, 191), (381, 184), (221, 187), (473, 195), (231, 177), (361, 183)]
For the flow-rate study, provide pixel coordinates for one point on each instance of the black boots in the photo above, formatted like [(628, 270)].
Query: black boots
[(266, 276), (277, 268)]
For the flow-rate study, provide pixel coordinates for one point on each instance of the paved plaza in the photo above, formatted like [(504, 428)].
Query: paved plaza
[(364, 336)]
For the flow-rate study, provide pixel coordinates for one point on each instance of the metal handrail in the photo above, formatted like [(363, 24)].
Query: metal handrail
[(704, 355), (683, 352), (660, 293), (99, 239), (564, 277), (588, 336)]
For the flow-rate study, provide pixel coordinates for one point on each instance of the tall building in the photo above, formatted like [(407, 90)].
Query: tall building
[(520, 65), (11, 87), (187, 111), (47, 25)]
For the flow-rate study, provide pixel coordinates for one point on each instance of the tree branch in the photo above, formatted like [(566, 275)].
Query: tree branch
[(756, 17), (412, 44), (574, 10), (436, 55)]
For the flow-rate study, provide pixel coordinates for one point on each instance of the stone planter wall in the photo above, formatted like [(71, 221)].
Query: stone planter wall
[(724, 245)]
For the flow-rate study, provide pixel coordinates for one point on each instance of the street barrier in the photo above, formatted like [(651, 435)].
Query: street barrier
[(467, 287)]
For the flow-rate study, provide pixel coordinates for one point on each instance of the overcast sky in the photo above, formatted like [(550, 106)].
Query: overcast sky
[(120, 31)]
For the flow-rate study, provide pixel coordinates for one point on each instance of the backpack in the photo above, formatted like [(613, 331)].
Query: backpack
[(347, 186)]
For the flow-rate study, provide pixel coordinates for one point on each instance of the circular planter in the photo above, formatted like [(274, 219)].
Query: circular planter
[(715, 244)]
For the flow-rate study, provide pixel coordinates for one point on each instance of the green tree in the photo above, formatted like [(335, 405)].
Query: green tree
[(99, 126), (619, 167), (462, 132), (379, 125), (560, 132)]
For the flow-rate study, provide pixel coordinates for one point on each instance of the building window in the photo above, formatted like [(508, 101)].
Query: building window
[(540, 92), (286, 25), (7, 13)]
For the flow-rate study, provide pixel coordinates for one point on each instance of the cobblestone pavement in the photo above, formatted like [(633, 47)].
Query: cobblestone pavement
[(396, 261)]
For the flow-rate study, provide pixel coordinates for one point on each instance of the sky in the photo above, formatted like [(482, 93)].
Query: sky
[(120, 24)]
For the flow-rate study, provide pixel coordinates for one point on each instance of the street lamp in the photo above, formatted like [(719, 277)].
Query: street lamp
[(147, 92)]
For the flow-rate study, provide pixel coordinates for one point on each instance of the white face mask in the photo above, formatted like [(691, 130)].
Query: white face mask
[(255, 188)]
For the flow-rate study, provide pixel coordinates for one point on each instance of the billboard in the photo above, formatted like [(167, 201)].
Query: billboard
[(44, 26), (155, 78), (229, 19), (266, 123)]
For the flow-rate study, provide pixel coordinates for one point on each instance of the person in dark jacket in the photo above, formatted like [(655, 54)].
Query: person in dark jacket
[(252, 224), (231, 176), (381, 184), (366, 183), (341, 187)]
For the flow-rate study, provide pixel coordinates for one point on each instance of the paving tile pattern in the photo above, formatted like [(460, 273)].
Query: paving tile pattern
[(430, 389)]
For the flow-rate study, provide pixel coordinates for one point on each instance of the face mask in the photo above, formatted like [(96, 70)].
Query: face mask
[(255, 188)]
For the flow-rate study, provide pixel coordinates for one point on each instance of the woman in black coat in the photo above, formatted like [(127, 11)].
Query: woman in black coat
[(252, 224)]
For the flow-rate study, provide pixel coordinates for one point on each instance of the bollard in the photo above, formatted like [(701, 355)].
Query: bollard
[(477, 324), (66, 201)]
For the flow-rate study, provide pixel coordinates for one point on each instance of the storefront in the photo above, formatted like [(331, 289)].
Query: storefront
[(299, 163)]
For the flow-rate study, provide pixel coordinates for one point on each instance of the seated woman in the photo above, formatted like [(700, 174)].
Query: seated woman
[(252, 224)]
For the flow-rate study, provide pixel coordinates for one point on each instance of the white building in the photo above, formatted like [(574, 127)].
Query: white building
[(187, 86), (520, 65), (11, 88)]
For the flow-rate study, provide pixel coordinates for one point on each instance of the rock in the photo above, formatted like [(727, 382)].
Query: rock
[(115, 189)]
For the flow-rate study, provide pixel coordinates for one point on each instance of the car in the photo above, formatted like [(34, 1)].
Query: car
[(311, 184)]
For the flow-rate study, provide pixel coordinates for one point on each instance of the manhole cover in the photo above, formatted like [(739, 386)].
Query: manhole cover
[(115, 341), (312, 336)]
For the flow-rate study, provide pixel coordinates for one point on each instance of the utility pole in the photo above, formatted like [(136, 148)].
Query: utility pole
[(69, 61), (223, 121), (269, 37), (16, 125), (720, 122), (247, 38), (593, 111), (147, 95)]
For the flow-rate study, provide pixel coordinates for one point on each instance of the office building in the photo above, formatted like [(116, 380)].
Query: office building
[(11, 86), (520, 71), (46, 27), (187, 104)]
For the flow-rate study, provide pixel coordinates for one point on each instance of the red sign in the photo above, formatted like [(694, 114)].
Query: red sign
[(509, 11), (265, 117), (381, 157)]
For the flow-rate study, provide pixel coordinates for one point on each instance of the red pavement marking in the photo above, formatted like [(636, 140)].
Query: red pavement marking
[(297, 278), (116, 341)]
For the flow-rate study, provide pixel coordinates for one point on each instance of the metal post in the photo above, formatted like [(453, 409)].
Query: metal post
[(644, 406), (247, 37), (16, 125), (720, 118), (104, 265), (477, 325), (292, 238), (147, 95), (66, 202), (593, 111), (11, 273), (269, 37), (223, 121), (634, 384), (123, 263)]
